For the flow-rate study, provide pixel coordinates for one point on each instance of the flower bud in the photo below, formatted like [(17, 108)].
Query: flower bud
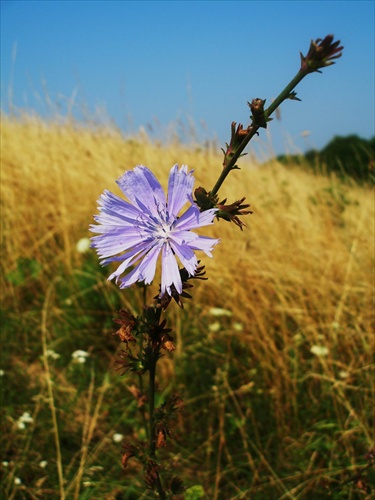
[(320, 54), (257, 109), (204, 199)]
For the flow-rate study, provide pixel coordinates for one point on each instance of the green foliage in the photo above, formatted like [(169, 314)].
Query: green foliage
[(194, 493), (349, 157), (27, 269), (221, 379)]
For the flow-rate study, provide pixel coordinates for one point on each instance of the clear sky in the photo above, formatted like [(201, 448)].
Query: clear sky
[(159, 64)]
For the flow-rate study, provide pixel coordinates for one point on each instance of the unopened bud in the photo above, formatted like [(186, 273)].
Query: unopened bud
[(257, 109)]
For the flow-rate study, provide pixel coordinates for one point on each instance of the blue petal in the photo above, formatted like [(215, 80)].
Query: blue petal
[(193, 218), (204, 243), (170, 274), (186, 256), (130, 278), (180, 187), (144, 271), (148, 265), (143, 189), (116, 205), (129, 259)]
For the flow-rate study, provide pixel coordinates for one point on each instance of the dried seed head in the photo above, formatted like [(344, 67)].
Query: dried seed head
[(320, 54)]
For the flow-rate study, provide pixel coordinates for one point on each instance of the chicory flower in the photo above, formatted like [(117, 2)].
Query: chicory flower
[(136, 233)]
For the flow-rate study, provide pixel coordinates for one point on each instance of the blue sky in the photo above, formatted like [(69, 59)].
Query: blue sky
[(157, 64)]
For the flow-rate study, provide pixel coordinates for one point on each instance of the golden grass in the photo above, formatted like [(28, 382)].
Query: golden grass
[(309, 241), (300, 274)]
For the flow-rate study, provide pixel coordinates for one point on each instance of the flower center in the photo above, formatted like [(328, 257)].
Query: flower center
[(163, 231)]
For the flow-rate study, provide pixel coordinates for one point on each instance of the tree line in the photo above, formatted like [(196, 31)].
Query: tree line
[(350, 156)]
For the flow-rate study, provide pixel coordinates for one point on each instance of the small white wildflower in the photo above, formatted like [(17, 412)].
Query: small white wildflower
[(238, 327), (87, 483), (343, 374), (95, 468), (26, 417), (5, 463), (117, 438), (83, 245), (43, 464), (17, 480), (52, 354), (80, 356), (2, 373), (214, 327), (218, 311), (319, 350)]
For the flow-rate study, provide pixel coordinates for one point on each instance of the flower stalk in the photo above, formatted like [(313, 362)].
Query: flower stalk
[(136, 233), (320, 55), (152, 425)]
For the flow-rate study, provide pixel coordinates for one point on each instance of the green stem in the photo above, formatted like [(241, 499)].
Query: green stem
[(151, 398), (284, 94), (140, 377), (144, 295), (152, 435), (235, 155), (143, 409), (253, 129)]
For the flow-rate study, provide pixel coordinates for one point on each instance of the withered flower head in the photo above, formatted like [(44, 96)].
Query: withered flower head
[(136, 364), (238, 133), (320, 54), (138, 396), (164, 416), (152, 474), (159, 336), (161, 439), (130, 451), (176, 485), (231, 212), (167, 342), (370, 456), (127, 322)]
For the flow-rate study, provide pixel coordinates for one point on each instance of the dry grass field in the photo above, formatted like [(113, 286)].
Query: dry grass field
[(277, 383)]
